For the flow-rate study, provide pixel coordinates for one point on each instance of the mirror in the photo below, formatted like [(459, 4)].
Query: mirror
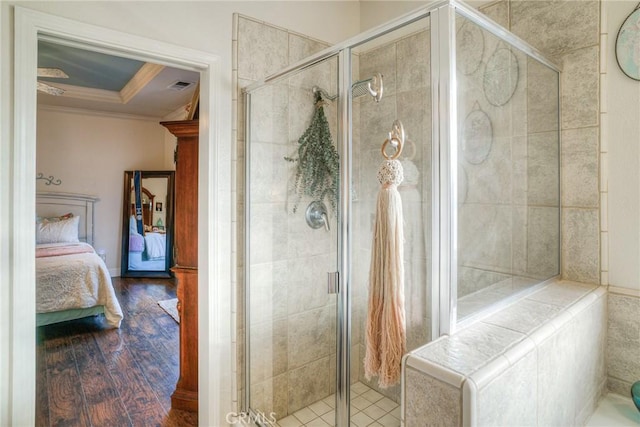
[(147, 224)]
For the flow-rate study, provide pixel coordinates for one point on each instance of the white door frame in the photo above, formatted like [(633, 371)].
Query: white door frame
[(214, 218)]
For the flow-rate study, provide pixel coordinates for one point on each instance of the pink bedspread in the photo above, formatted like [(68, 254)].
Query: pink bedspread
[(77, 279), (68, 249)]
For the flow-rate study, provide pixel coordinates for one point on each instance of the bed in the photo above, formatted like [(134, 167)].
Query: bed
[(72, 281)]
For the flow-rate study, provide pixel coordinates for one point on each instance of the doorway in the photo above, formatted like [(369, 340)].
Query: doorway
[(29, 25)]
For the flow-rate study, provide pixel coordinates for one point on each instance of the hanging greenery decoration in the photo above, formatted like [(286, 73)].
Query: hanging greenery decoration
[(317, 162)]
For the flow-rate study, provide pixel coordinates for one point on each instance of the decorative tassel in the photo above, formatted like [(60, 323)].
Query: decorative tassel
[(386, 334)]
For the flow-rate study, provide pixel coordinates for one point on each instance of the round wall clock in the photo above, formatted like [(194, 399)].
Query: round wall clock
[(628, 45)]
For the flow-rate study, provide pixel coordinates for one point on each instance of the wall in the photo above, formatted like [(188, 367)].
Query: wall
[(89, 154), (204, 26), (620, 192)]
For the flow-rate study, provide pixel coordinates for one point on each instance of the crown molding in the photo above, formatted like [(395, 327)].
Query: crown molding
[(90, 94), (84, 111), (145, 74)]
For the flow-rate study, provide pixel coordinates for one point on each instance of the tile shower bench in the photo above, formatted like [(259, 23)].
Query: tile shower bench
[(539, 361)]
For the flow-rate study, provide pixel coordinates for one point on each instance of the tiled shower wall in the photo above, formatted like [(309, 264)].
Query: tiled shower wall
[(292, 356), (569, 33)]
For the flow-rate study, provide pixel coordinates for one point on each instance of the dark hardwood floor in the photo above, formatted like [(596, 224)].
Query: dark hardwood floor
[(89, 375)]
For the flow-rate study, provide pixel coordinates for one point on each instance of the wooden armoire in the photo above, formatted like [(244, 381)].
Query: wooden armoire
[(185, 256)]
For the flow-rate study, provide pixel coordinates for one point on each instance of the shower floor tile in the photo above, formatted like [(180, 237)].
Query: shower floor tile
[(368, 409)]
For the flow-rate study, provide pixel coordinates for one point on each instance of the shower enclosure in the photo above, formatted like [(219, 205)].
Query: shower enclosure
[(480, 197)]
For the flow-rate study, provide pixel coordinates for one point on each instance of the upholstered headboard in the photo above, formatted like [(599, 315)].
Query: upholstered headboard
[(56, 204)]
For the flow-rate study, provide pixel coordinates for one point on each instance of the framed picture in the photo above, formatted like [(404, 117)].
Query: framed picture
[(158, 206)]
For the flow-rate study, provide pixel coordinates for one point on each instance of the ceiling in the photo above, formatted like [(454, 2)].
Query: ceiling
[(106, 83)]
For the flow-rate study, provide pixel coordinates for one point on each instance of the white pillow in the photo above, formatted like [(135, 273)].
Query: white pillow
[(63, 231)]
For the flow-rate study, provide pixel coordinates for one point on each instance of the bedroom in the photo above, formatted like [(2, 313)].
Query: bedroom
[(84, 147)]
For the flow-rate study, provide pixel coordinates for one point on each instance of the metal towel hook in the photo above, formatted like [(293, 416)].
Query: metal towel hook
[(375, 87)]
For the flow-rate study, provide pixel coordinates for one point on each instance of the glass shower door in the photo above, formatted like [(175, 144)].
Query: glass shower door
[(403, 58), (291, 236)]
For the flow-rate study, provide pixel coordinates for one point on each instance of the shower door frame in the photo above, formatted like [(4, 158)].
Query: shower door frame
[(442, 14)]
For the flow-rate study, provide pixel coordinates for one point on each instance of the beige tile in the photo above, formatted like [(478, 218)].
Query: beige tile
[(330, 400), (391, 421), (519, 383), (413, 62), (561, 294), (375, 412), (543, 174), (543, 98), (580, 86), (489, 181), (471, 348), (556, 372), (568, 25), (360, 403), (524, 316), (581, 245), (268, 292), (498, 11), (330, 418), (270, 114), (359, 388), (289, 421), (267, 239), (617, 386), (271, 360), (311, 336), (262, 49), (372, 396), (317, 422), (414, 106), (472, 279), (305, 415), (268, 173), (320, 74), (623, 341), (305, 386), (361, 419), (580, 168), (396, 412), (307, 284), (320, 408), (543, 242), (386, 404), (590, 338), (442, 408), (484, 235)]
